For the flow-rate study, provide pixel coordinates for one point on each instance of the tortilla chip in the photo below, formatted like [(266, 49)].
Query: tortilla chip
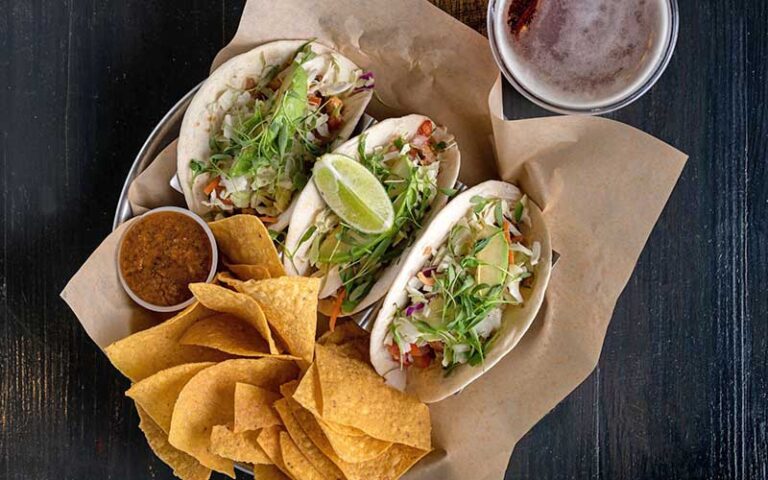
[(343, 333), (350, 340), (290, 305), (147, 352), (308, 395), (390, 465), (288, 389), (208, 400), (254, 408), (222, 300), (249, 272), (156, 395), (245, 240), (240, 447), (268, 472), (316, 457), (353, 448), (184, 466), (226, 333), (307, 392), (349, 443), (356, 349), (296, 463), (353, 394), (227, 279), (269, 441)]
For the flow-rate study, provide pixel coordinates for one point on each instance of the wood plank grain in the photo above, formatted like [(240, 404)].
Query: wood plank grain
[(756, 275)]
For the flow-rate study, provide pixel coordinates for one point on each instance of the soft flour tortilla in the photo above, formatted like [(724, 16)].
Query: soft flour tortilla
[(430, 384), (201, 120), (310, 203)]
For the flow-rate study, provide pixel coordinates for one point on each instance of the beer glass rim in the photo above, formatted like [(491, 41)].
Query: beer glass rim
[(658, 70)]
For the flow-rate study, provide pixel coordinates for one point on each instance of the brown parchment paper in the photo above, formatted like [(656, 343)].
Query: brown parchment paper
[(601, 184)]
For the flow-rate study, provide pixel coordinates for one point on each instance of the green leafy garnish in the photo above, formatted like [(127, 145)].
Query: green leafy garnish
[(458, 300), (270, 141), (478, 203), (449, 192), (362, 257), (497, 212), (519, 208), (196, 167)]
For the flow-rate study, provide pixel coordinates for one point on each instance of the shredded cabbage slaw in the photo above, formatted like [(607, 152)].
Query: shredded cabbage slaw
[(449, 315)]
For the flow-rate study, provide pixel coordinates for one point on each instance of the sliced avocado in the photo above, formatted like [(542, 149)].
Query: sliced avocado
[(488, 230), (399, 172), (435, 318), (401, 167), (493, 261), (332, 246)]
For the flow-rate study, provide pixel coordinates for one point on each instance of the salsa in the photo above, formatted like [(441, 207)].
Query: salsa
[(162, 254)]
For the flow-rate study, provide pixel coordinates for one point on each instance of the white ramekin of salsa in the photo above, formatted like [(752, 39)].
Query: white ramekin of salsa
[(161, 253)]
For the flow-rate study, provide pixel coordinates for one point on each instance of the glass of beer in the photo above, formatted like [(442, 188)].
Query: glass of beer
[(582, 56)]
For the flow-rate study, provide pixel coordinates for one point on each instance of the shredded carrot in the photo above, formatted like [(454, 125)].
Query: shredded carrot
[(212, 186), (267, 219), (337, 308), (508, 238)]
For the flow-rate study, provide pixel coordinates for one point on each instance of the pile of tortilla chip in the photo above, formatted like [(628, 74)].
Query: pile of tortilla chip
[(238, 377)]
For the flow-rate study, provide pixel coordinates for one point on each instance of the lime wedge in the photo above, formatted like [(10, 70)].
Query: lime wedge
[(353, 193)]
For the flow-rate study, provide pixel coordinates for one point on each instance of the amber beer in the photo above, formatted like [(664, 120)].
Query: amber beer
[(582, 54)]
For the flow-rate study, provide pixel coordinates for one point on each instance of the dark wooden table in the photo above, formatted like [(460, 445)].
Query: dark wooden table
[(680, 392)]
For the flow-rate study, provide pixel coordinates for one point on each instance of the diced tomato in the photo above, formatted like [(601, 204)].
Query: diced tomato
[(422, 362), (425, 128), (436, 346), (213, 185), (314, 100)]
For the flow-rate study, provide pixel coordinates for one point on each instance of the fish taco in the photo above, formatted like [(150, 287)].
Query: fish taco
[(417, 163), (466, 294), (254, 129)]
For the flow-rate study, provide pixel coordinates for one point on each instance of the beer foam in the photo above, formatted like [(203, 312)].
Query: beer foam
[(585, 53)]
